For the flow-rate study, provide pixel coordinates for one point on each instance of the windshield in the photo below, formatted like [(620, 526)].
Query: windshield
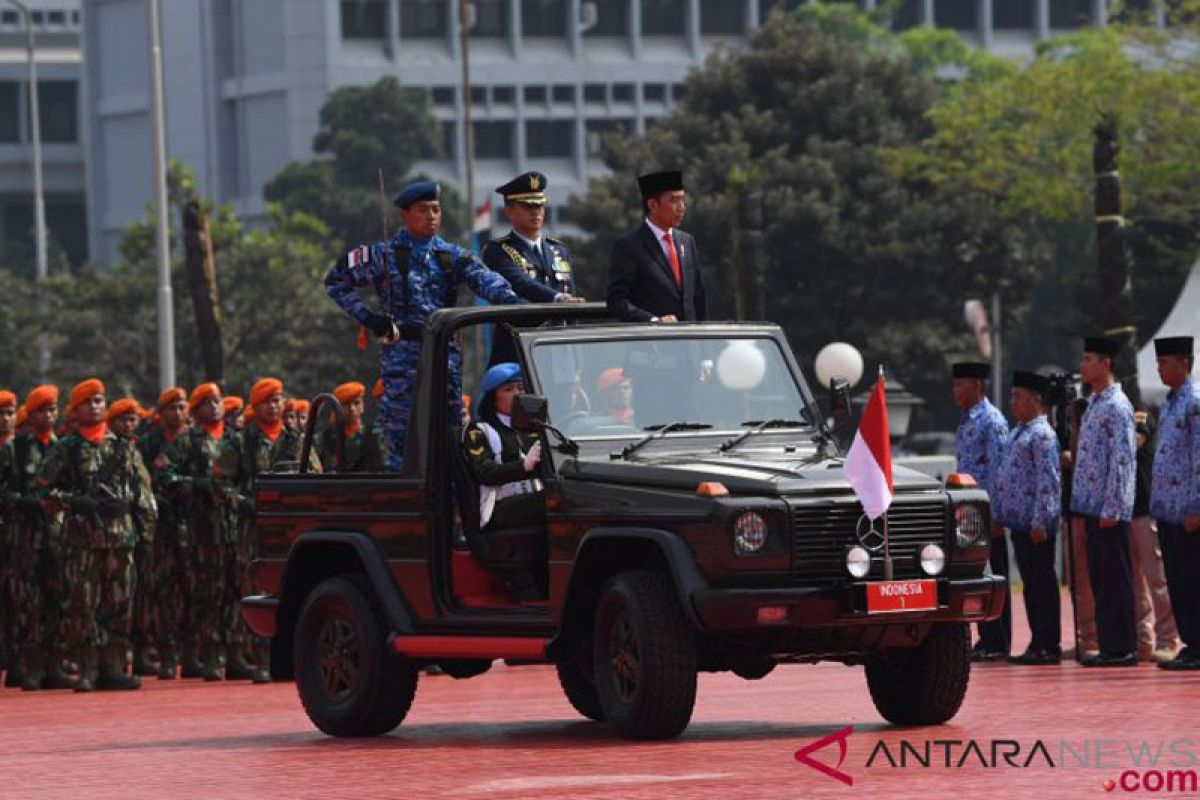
[(627, 387)]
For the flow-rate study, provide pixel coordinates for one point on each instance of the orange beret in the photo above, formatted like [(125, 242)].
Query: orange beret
[(609, 378), (248, 416), (265, 389), (377, 392), (349, 391), (40, 397), (301, 406), (22, 416), (175, 394), (83, 392), (7, 398), (125, 405), (201, 392), (232, 404), (466, 402)]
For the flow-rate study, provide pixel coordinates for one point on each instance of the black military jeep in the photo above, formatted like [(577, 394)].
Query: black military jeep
[(697, 518)]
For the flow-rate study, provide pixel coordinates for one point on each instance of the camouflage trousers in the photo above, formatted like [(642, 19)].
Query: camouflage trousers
[(165, 592), (397, 366), (34, 593), (208, 594), (143, 570), (240, 555), (99, 612)]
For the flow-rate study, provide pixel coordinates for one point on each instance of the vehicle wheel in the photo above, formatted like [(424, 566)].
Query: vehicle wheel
[(349, 684), (644, 657), (925, 685), (579, 684)]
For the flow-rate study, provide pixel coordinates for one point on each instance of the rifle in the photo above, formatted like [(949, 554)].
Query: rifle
[(394, 335)]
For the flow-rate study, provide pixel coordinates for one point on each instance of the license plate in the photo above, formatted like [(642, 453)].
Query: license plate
[(888, 596)]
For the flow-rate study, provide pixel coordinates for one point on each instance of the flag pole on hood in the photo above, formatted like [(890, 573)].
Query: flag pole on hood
[(869, 464)]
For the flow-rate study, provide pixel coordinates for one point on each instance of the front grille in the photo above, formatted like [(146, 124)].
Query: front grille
[(821, 534)]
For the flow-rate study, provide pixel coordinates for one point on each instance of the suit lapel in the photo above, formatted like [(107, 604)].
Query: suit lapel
[(655, 248)]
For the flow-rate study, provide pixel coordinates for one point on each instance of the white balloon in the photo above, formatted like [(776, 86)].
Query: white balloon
[(841, 360), (741, 366)]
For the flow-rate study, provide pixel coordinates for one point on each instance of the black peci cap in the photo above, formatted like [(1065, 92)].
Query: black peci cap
[(1102, 346), (1174, 346), (1031, 381), (971, 369), (655, 183)]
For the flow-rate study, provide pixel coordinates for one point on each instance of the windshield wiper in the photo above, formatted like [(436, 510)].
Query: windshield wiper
[(660, 431), (759, 427)]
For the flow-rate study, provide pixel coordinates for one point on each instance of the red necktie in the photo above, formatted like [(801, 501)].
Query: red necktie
[(673, 256)]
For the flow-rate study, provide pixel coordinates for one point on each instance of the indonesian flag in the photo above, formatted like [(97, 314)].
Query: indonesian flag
[(869, 462), (483, 217)]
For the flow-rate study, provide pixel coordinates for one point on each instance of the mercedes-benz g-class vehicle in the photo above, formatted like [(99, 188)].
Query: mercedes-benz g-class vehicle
[(699, 521)]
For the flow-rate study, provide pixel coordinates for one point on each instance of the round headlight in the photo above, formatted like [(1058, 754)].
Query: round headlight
[(749, 532), (968, 525), (858, 561), (933, 559)]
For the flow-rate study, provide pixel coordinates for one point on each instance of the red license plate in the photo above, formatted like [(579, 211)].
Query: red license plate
[(886, 596)]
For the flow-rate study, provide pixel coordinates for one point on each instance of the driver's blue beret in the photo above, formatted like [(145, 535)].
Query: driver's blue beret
[(416, 192), (497, 376)]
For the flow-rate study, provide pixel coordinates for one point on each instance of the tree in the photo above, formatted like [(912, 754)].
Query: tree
[(813, 118)]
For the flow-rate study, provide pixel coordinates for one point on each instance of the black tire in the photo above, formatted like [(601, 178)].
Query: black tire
[(925, 685), (349, 684), (644, 657), (578, 684)]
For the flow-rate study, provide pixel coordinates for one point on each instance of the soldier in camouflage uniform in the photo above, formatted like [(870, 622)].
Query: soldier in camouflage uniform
[(363, 449), (8, 480), (183, 475), (233, 412), (35, 587), (414, 275), (171, 414), (101, 486), (264, 445)]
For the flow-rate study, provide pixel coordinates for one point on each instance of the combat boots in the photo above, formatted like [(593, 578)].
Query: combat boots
[(142, 664), (112, 675), (262, 670), (169, 660), (32, 671), (236, 667), (56, 678), (87, 671), (192, 667), (212, 664)]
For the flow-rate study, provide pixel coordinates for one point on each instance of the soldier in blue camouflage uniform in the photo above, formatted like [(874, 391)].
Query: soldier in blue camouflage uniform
[(1175, 492), (1102, 493), (101, 485), (1028, 502), (426, 279), (979, 450)]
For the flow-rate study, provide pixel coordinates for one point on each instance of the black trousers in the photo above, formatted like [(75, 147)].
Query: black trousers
[(1042, 600), (1110, 567), (997, 635), (527, 568), (1181, 560)]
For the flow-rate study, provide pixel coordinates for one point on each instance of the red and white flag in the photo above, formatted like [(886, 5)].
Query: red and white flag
[(483, 217), (869, 461)]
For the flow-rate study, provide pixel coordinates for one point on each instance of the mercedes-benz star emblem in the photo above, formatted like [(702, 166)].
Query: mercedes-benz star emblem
[(868, 533)]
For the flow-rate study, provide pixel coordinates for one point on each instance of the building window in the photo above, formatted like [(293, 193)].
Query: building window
[(622, 92), (9, 17), (908, 15), (677, 90), (1013, 16), (955, 14), (59, 111), (449, 138), (364, 19), (504, 95), (494, 139), (663, 18), (594, 93), (442, 95), (57, 17), (547, 18), (721, 18), (654, 92), (1070, 13), (478, 95), (596, 129), (550, 139), (491, 18), (535, 94), (423, 19), (612, 18), (10, 109), (564, 93)]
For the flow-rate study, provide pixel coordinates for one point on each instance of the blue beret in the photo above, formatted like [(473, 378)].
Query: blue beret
[(499, 375), (416, 192)]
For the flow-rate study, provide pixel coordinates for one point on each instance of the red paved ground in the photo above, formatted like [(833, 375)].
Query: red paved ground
[(510, 734)]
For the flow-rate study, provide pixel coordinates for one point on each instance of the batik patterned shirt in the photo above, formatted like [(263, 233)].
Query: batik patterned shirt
[(1105, 460), (980, 444), (1029, 485), (1175, 487)]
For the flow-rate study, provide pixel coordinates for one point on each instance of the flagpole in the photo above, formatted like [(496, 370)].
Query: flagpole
[(887, 550)]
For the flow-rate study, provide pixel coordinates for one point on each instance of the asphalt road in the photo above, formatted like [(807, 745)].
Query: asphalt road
[(510, 734)]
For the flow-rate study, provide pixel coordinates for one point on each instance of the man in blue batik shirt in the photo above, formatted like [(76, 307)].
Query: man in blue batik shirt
[(1102, 494), (980, 448), (1028, 501), (1175, 493), (425, 272)]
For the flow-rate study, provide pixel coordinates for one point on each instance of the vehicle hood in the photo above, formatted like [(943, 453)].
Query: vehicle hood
[(795, 475)]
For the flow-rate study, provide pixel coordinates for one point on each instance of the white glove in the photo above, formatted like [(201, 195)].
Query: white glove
[(533, 457), (392, 336)]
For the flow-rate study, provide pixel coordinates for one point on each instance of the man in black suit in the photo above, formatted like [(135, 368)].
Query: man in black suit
[(655, 273)]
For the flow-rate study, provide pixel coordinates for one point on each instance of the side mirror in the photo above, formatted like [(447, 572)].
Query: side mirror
[(840, 411), (530, 412)]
